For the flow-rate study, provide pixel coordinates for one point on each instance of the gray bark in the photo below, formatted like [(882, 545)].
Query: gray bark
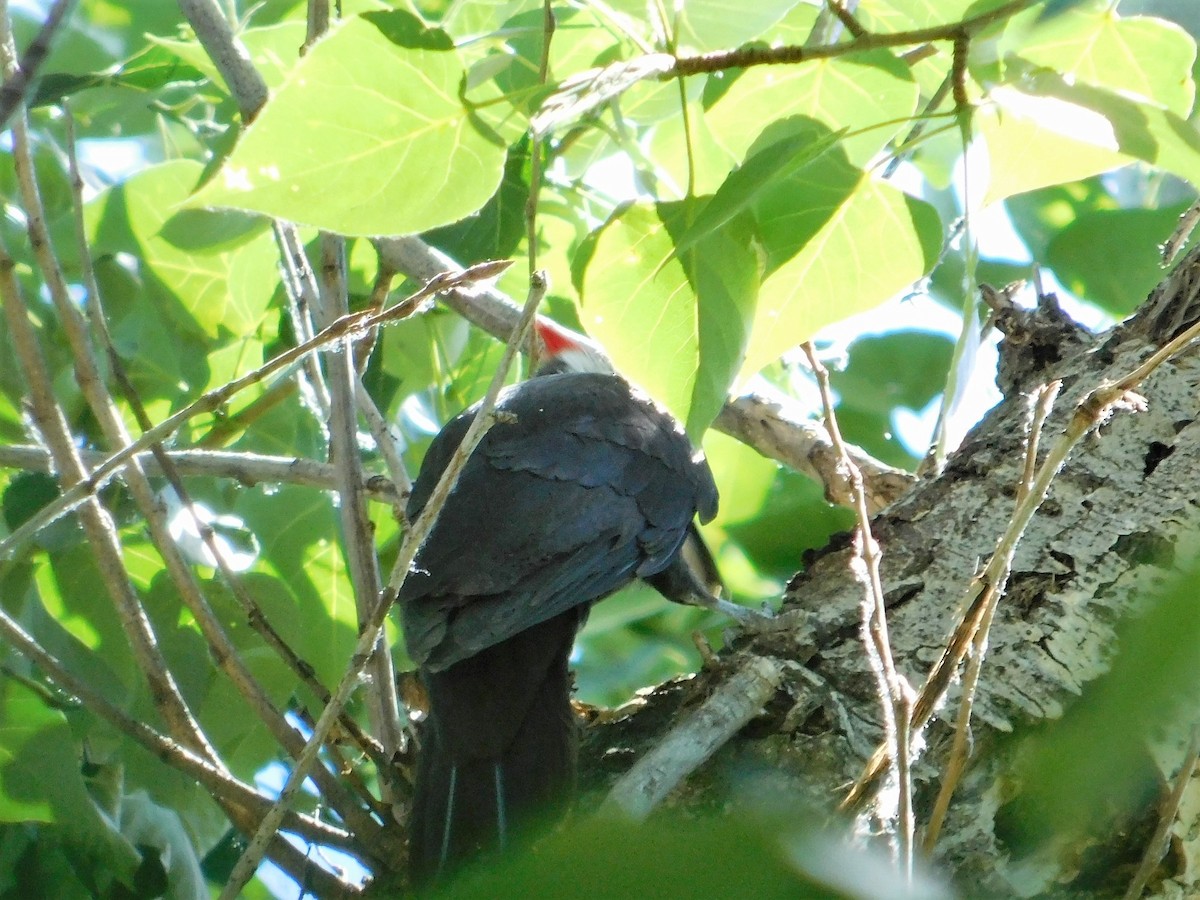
[(1119, 516)]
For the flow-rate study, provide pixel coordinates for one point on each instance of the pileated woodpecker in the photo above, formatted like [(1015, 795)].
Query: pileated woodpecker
[(582, 485)]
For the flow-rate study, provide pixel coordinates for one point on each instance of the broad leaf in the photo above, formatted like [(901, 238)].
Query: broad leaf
[(39, 768), (828, 229), (870, 95), (1111, 257), (367, 136), (673, 323), (1091, 44)]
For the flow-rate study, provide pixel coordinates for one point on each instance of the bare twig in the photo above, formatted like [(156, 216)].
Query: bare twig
[(536, 158), (18, 80), (778, 429), (588, 90), (744, 57), (1183, 231), (895, 693), (300, 288), (243, 468), (78, 493), (318, 23), (228, 659), (846, 17), (1156, 847), (706, 730), (229, 55), (357, 534), (97, 524), (957, 759)]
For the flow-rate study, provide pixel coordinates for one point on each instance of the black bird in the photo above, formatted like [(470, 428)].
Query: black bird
[(583, 485)]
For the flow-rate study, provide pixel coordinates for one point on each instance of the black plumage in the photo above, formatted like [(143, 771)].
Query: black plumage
[(581, 486)]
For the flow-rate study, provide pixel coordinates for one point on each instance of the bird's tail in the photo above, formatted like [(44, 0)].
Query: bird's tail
[(498, 750)]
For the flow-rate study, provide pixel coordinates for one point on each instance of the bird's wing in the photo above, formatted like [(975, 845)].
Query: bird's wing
[(576, 491)]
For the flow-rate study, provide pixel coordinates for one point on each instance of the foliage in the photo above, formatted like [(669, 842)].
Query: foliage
[(699, 227)]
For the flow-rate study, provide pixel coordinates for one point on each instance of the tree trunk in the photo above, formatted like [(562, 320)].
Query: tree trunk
[(1119, 514)]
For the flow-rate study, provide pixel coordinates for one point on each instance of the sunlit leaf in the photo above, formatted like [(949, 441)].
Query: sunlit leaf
[(674, 324), (871, 95), (347, 142), (823, 228), (1091, 43)]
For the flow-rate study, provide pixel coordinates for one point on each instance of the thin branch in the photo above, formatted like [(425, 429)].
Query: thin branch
[(317, 22), (777, 428), (588, 90), (744, 57), (1172, 247), (369, 635), (97, 524), (300, 288), (895, 693), (223, 651), (78, 493), (357, 534), (537, 152), (244, 468), (228, 54), (738, 699), (19, 80), (846, 17), (957, 758), (1156, 847)]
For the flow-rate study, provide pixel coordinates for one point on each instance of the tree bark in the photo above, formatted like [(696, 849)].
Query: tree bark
[(1120, 513)]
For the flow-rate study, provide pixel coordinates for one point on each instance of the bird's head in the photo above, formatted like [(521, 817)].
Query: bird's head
[(564, 350)]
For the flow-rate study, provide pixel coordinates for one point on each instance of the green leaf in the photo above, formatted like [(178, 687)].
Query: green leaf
[(720, 24), (367, 136), (824, 229), (39, 769), (1039, 216), (1033, 142), (1052, 132), (495, 230), (224, 290), (674, 324), (871, 95), (638, 304), (725, 271), (901, 369), (1111, 257), (793, 517), (1091, 44), (906, 15), (744, 475), (310, 596), (872, 381), (673, 857), (779, 160)]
